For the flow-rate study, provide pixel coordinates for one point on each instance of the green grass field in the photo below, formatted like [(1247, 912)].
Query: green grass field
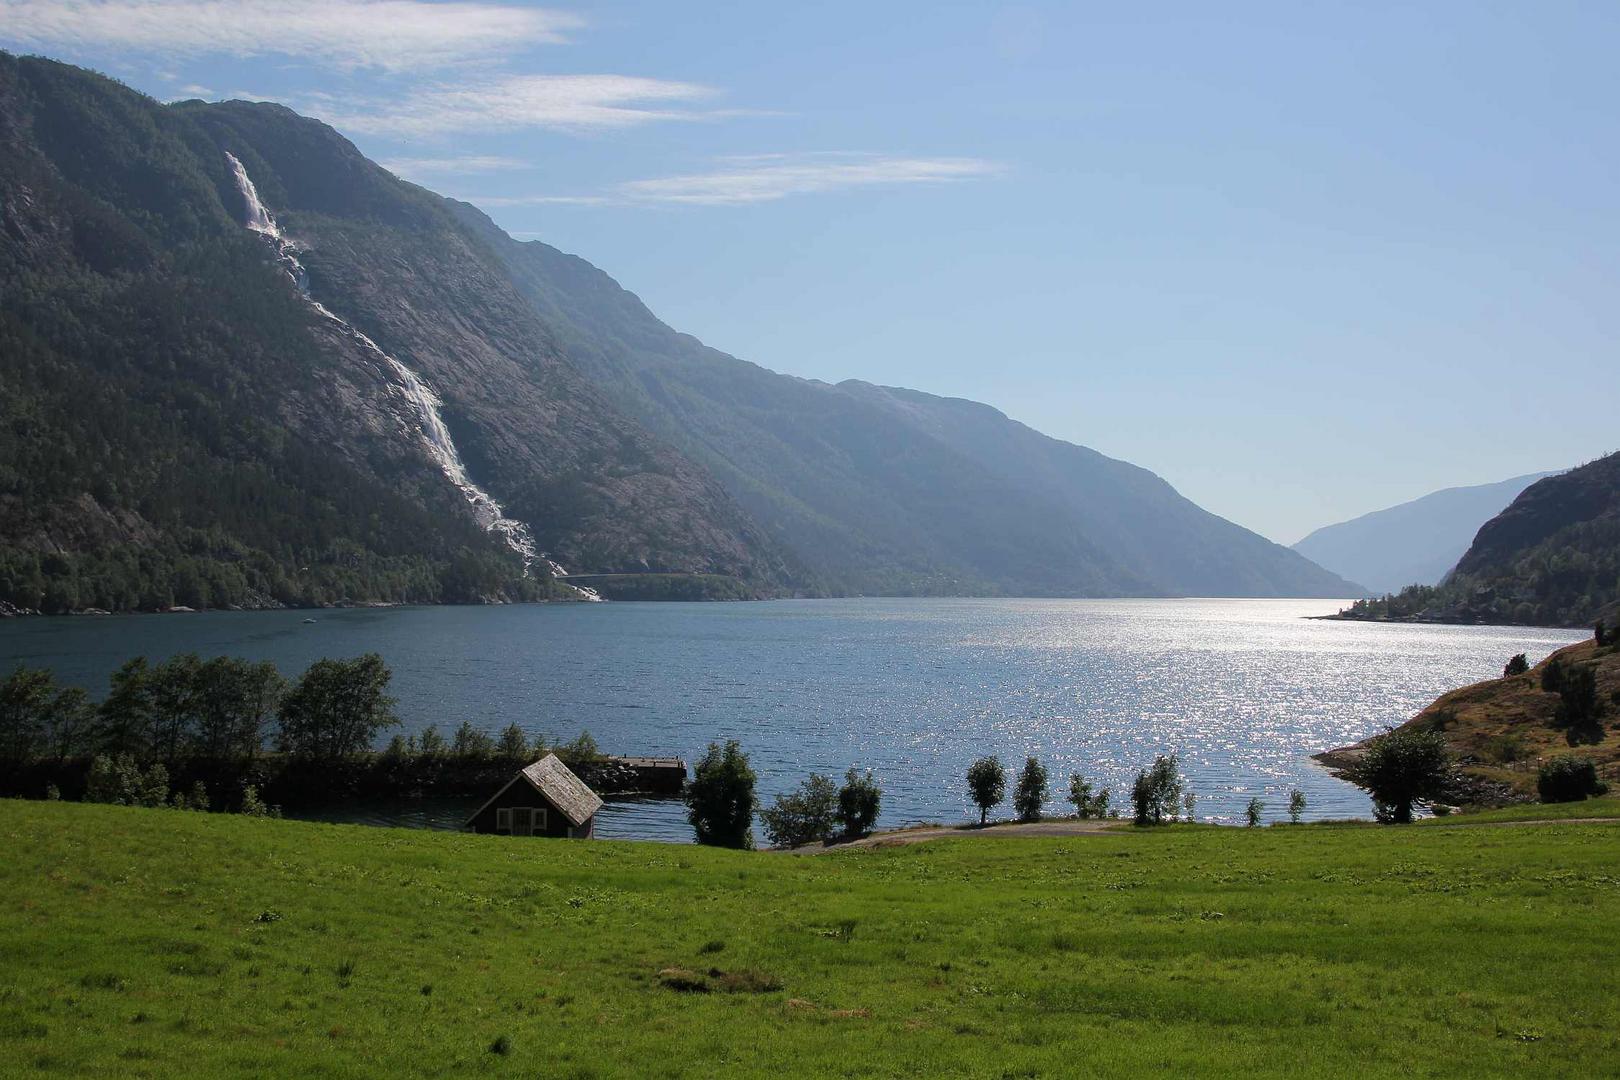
[(162, 943)]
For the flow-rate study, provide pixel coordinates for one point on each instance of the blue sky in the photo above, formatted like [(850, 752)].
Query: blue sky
[(1303, 260)]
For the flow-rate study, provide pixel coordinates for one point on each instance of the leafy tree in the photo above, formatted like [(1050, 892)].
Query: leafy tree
[(234, 704), (430, 744), (858, 803), (1568, 779), (513, 745), (470, 744), (1296, 805), (1029, 797), (1578, 705), (39, 719), (1401, 768), (808, 815), (1253, 811), (987, 785), (1088, 803), (1156, 790), (337, 709), (126, 715), (172, 693), (1189, 806), (582, 751), (720, 797), (1517, 665)]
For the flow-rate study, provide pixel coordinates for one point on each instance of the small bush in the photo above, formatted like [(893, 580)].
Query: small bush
[(1253, 811), (806, 816), (1189, 806), (1296, 805), (502, 1046), (1087, 804), (121, 781), (858, 803), (1518, 665), (1569, 779), (1504, 749), (1029, 798), (253, 806), (1552, 676)]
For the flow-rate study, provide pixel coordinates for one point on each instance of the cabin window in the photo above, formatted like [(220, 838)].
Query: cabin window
[(503, 820), (528, 821)]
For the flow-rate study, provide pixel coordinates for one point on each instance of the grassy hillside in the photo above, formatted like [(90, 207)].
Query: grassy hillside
[(162, 943), (1502, 730)]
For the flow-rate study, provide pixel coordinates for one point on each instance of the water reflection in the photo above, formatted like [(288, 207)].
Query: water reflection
[(1244, 690)]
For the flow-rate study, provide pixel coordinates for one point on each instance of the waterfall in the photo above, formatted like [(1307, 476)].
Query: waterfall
[(424, 403)]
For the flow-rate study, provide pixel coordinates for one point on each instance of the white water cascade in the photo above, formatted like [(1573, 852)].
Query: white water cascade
[(424, 403)]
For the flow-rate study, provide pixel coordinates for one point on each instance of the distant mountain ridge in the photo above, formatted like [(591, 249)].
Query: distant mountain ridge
[(881, 489), (183, 423), (1414, 543), (1552, 558)]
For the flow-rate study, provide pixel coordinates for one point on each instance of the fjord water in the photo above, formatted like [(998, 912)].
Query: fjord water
[(1244, 690)]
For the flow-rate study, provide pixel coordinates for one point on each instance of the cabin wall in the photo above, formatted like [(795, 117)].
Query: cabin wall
[(521, 794)]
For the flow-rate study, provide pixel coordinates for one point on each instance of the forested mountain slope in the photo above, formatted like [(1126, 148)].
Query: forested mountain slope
[(181, 425), (889, 490), (1551, 558), (242, 365)]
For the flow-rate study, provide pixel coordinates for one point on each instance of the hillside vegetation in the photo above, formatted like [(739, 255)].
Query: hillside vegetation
[(1552, 558), (1502, 731), (166, 943)]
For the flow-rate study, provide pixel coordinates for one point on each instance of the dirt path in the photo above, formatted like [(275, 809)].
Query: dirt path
[(901, 837), (1095, 827)]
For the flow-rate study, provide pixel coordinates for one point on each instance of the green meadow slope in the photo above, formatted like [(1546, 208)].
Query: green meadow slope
[(163, 943)]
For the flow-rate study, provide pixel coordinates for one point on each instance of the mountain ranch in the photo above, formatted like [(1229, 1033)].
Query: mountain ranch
[(542, 799)]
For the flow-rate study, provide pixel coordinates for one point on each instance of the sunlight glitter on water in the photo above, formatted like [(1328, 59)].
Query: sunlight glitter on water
[(1244, 690)]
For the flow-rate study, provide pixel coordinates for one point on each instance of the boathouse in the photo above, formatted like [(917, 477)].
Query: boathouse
[(543, 799)]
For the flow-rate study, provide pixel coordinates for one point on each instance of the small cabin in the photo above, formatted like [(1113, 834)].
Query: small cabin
[(543, 799)]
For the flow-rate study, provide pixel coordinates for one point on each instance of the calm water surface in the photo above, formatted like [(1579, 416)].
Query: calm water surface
[(1244, 690)]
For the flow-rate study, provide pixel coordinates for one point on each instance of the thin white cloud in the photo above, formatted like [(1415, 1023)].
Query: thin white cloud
[(391, 35), (473, 163), (515, 102), (768, 177)]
